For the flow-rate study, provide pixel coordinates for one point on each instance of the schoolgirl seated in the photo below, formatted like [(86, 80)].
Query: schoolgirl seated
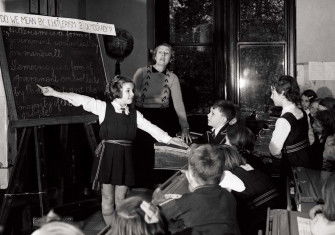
[(259, 194), (243, 139), (324, 146)]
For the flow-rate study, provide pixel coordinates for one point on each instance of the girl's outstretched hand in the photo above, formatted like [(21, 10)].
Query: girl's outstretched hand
[(178, 141), (46, 90)]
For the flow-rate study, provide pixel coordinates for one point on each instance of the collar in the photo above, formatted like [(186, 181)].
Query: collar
[(156, 71), (217, 130), (205, 186), (288, 108), (118, 108)]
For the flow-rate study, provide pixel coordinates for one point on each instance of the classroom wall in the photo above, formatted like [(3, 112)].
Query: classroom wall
[(130, 15), (315, 41), (18, 6)]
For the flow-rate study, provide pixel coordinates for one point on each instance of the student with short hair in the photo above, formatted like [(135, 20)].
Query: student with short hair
[(307, 98), (222, 114), (208, 208)]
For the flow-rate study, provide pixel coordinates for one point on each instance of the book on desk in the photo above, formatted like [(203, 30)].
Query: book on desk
[(284, 222)]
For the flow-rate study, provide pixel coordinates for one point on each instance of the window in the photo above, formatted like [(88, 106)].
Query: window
[(229, 49)]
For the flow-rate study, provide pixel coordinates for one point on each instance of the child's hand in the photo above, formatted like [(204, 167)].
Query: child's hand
[(178, 141), (151, 212), (47, 91)]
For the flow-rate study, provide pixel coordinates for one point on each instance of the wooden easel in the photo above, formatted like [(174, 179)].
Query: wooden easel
[(14, 194)]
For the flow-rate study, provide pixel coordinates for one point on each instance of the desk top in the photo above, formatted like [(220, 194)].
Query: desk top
[(308, 187), (309, 183), (284, 222)]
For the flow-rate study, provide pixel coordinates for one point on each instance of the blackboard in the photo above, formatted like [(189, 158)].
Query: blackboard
[(67, 61)]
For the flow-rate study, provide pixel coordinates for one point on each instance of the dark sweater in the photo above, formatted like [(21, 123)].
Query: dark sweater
[(208, 210)]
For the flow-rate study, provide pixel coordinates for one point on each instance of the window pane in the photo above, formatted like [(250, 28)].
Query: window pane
[(259, 65), (191, 22), (262, 21), (194, 68)]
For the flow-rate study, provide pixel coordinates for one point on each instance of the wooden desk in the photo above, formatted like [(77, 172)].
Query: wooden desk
[(308, 184), (169, 157), (284, 222)]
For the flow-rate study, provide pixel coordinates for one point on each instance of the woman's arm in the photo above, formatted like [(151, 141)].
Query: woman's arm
[(179, 107), (279, 135), (89, 104), (156, 132)]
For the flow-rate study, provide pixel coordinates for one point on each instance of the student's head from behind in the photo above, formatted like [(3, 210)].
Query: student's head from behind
[(220, 113), (328, 194), (121, 88), (58, 228), (241, 137), (231, 156), (134, 218), (326, 103), (307, 97), (324, 123), (285, 88), (205, 165)]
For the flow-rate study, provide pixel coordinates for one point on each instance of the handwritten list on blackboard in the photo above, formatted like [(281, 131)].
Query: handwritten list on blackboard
[(66, 61)]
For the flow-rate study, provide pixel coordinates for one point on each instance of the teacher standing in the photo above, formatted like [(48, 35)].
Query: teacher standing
[(159, 99)]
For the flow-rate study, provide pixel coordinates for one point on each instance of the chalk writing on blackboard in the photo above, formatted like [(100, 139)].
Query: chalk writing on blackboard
[(68, 61)]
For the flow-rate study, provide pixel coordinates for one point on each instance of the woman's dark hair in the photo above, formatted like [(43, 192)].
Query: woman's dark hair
[(327, 121), (129, 219), (310, 94), (328, 102), (206, 163), (154, 52), (114, 87), (328, 194), (289, 86), (242, 138), (231, 156)]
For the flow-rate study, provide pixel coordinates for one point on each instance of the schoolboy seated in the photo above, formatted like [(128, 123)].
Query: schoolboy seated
[(208, 208), (222, 114)]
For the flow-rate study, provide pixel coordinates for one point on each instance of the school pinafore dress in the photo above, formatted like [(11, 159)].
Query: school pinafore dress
[(296, 147), (114, 162)]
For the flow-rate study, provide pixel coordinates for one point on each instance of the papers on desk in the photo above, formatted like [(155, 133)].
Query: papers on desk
[(304, 226)]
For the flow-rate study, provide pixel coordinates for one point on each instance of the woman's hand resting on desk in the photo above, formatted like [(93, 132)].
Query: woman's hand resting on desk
[(177, 141), (185, 136)]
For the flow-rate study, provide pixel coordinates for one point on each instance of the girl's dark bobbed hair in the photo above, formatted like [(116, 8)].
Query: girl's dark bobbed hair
[(289, 86), (114, 86)]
